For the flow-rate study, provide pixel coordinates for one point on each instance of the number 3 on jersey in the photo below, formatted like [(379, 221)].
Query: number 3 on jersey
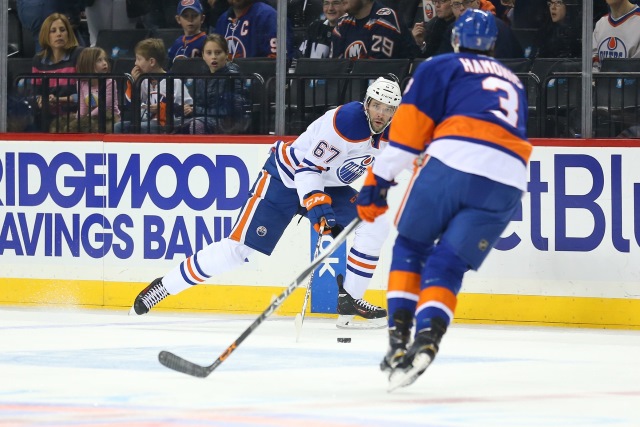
[(323, 149), (509, 104)]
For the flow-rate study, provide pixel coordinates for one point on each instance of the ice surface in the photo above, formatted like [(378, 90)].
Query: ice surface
[(100, 368)]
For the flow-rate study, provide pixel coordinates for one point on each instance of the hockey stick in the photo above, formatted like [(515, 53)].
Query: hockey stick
[(299, 320), (179, 364)]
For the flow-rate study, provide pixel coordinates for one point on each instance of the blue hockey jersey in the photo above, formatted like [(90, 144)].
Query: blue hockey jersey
[(187, 47), (380, 35), (252, 34)]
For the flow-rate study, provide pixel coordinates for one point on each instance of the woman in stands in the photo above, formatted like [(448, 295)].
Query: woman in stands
[(220, 105), (560, 35), (59, 54)]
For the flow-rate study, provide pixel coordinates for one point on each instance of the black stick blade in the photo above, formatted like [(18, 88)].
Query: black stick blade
[(179, 364)]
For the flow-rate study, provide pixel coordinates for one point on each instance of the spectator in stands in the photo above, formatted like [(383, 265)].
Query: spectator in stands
[(318, 41), (94, 60), (432, 36), (526, 13), (150, 57), (302, 13), (370, 30), (561, 35), (107, 15), (213, 10), (190, 18), (59, 54), (617, 35), (507, 45), (504, 10), (250, 28), (220, 105)]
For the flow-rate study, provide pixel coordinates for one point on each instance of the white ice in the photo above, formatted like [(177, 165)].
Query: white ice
[(100, 368)]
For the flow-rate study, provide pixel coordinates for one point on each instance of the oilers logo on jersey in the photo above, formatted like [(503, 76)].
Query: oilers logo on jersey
[(353, 169), (612, 47)]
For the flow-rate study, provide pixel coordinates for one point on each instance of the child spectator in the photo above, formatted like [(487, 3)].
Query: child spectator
[(190, 18), (93, 60), (150, 57), (220, 104)]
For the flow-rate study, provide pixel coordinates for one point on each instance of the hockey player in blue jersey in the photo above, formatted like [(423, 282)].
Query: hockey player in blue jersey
[(464, 116), (250, 28), (370, 30), (308, 176)]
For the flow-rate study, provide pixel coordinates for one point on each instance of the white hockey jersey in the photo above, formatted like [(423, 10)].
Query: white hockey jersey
[(617, 38), (334, 151)]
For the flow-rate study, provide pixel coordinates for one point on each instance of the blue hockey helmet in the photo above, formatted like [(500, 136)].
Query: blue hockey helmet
[(475, 29)]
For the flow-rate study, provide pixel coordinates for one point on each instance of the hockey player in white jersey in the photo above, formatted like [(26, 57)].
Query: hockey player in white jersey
[(309, 176)]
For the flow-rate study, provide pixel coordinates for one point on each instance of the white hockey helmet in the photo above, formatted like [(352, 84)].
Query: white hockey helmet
[(383, 90)]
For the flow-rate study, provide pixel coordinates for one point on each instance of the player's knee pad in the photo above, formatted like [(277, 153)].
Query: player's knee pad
[(234, 251), (370, 236), (409, 255), (445, 267)]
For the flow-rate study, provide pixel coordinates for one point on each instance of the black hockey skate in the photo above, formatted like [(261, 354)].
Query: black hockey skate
[(349, 307), (399, 336), (149, 297), (419, 356)]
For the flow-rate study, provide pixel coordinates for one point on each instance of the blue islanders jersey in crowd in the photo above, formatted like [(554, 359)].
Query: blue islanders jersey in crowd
[(252, 34), (334, 151), (470, 112), (187, 47), (380, 35)]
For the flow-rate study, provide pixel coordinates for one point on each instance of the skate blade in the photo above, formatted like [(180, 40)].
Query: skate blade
[(400, 378), (132, 311), (348, 322)]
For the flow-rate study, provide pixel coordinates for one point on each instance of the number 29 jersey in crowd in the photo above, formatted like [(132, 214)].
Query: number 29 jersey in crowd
[(334, 151)]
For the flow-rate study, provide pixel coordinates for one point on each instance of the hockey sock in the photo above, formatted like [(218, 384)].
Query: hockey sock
[(214, 259)]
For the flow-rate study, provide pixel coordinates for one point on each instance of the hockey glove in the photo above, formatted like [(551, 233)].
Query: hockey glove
[(319, 209), (372, 199)]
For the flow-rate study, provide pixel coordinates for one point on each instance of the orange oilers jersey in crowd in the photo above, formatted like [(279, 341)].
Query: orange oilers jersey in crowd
[(334, 151), (467, 110)]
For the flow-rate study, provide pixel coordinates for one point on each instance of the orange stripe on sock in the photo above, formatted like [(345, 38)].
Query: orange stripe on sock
[(192, 271), (404, 281), (361, 264), (440, 294), (236, 233)]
